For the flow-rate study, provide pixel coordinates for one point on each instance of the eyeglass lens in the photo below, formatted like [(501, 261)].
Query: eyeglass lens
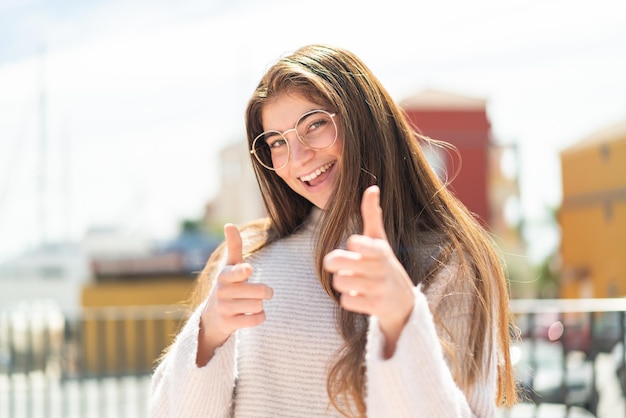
[(315, 129)]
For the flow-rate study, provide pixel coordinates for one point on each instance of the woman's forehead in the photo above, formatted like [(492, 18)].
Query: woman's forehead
[(284, 110)]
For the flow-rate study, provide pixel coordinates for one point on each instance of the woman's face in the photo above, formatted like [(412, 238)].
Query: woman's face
[(313, 174)]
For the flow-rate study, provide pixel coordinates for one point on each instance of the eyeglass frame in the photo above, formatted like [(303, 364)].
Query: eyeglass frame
[(284, 133)]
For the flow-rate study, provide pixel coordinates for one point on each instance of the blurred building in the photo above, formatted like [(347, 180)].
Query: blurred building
[(476, 175), (483, 173), (238, 199), (593, 215), (461, 121), (53, 272), (128, 271), (43, 290), (141, 277)]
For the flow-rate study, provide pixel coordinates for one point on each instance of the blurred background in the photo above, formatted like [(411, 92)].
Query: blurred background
[(122, 154)]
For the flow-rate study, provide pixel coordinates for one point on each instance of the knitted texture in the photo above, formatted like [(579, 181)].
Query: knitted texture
[(279, 368)]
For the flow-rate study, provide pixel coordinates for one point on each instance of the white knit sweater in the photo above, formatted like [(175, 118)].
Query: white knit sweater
[(279, 368)]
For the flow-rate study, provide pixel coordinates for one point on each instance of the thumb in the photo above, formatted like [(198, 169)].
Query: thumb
[(372, 214), (233, 245)]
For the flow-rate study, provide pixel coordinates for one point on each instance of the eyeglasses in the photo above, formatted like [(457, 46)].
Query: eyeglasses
[(315, 129)]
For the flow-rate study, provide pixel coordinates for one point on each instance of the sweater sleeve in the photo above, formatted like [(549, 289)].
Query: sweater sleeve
[(179, 388), (417, 380)]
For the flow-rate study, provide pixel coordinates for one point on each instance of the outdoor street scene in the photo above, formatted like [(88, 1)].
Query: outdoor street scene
[(123, 154)]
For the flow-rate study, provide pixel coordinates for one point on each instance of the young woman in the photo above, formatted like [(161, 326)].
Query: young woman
[(368, 291)]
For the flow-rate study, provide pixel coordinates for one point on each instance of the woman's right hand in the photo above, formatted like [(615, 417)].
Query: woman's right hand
[(233, 302)]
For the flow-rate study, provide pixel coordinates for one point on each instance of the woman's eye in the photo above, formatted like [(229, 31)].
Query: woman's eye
[(276, 143), (317, 125)]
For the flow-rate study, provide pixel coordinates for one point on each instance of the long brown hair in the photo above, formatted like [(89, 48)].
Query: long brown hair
[(380, 147)]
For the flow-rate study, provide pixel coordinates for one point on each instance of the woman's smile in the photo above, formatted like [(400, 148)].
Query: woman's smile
[(309, 179)]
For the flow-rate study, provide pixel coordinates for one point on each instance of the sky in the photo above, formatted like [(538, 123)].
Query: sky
[(112, 113)]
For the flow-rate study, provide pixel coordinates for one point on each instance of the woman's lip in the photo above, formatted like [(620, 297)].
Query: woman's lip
[(319, 182), (314, 174)]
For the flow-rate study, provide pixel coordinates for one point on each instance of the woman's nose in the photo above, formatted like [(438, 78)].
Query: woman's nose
[(299, 151)]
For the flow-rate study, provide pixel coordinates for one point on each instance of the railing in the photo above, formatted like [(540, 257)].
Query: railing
[(569, 360), (92, 363)]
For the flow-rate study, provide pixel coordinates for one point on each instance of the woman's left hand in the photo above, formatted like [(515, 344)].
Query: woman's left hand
[(369, 277)]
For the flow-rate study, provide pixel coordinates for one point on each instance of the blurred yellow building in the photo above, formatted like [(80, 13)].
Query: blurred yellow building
[(128, 322), (135, 304), (593, 215)]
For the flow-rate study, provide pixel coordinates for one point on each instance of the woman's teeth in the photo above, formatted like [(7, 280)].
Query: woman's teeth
[(317, 172)]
